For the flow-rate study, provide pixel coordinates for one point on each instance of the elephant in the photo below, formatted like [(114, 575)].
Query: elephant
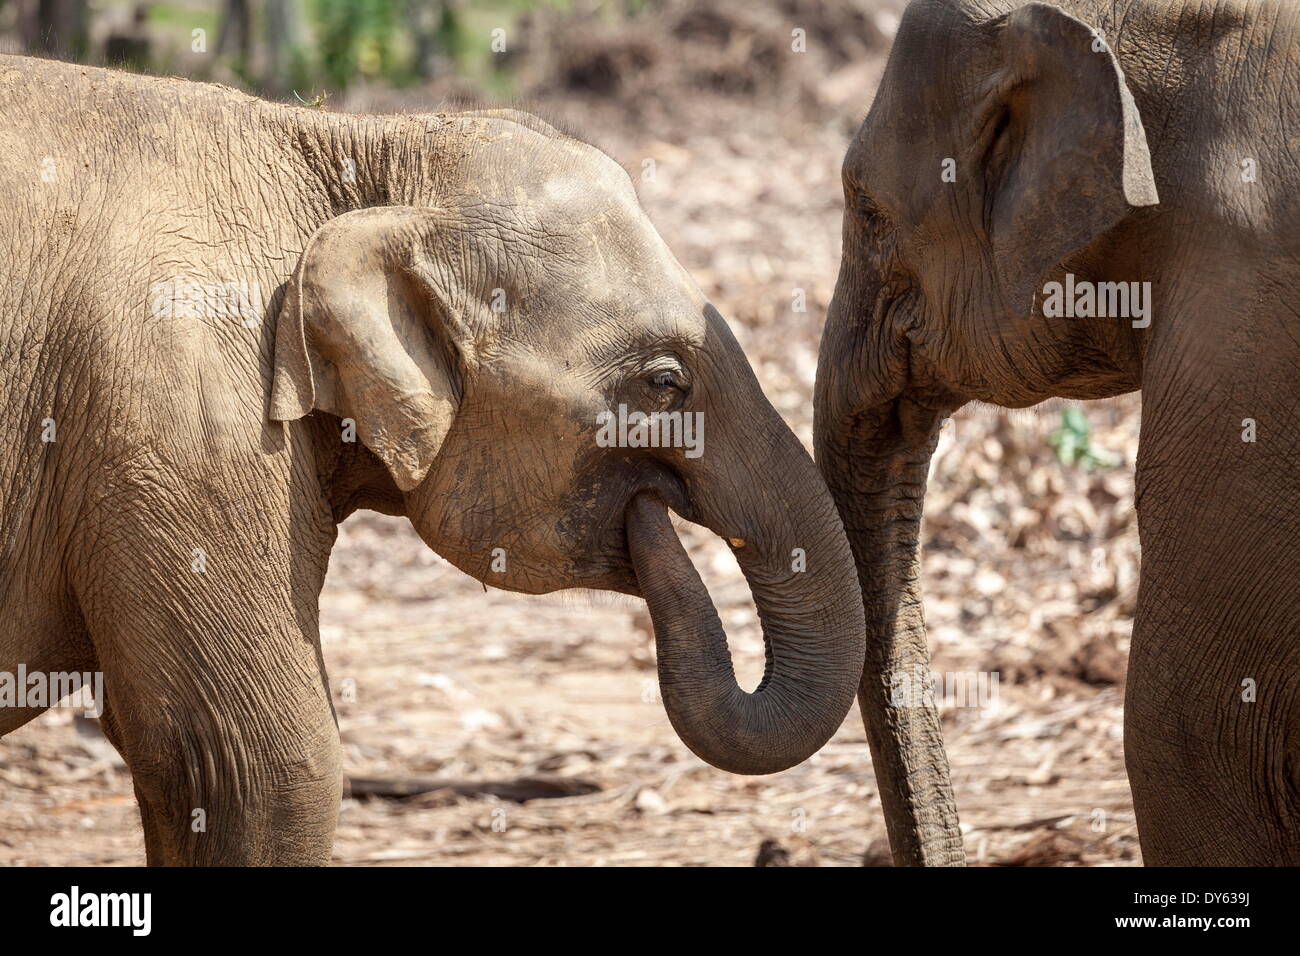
[(1076, 201), (229, 323)]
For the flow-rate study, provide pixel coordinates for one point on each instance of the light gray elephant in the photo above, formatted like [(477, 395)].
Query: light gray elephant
[(1080, 201), (203, 297)]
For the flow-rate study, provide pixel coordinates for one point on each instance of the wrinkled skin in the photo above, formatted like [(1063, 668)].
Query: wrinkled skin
[(469, 301), (1118, 164)]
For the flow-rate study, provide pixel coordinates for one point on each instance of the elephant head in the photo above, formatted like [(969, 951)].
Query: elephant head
[(1001, 147), (493, 343)]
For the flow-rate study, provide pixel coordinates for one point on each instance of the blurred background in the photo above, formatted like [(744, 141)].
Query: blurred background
[(482, 727)]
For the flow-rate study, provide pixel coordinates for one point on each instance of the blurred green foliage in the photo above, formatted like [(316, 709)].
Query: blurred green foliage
[(400, 42), (358, 38), (1073, 442), (306, 45)]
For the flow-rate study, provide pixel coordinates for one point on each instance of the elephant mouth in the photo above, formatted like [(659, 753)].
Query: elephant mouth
[(604, 561)]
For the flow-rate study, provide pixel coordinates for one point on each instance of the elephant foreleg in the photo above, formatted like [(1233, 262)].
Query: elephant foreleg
[(229, 769), (1212, 732), (215, 693)]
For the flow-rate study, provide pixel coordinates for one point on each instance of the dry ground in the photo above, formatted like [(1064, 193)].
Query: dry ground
[(1029, 573)]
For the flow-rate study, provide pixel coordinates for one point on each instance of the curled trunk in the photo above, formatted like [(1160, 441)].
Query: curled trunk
[(812, 627)]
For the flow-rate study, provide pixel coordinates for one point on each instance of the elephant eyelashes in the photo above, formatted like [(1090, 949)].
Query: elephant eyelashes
[(667, 388)]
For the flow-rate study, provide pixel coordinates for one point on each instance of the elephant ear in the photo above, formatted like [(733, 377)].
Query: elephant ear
[(1073, 153), (363, 333)]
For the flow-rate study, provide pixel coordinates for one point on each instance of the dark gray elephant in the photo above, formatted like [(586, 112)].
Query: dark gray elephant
[(1080, 201), (204, 297)]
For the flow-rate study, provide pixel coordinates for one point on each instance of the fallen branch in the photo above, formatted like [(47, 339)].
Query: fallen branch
[(519, 790)]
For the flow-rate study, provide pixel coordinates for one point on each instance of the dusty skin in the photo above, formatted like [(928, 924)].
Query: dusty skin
[(468, 292), (1029, 570)]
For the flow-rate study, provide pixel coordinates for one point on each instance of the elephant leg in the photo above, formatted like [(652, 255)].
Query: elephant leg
[(229, 768), (1211, 743), (215, 690), (1212, 706)]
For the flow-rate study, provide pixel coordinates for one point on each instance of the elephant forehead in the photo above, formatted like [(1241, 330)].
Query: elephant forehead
[(572, 210), (563, 195), (557, 175), (616, 261), (647, 324), (900, 143), (568, 223), (920, 116), (608, 218)]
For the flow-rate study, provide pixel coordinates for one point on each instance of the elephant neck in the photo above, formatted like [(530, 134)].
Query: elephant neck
[(356, 162)]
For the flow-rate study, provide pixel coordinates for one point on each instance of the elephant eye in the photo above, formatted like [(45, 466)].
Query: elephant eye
[(665, 380)]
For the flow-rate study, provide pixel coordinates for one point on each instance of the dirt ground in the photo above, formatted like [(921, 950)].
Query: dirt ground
[(1030, 574)]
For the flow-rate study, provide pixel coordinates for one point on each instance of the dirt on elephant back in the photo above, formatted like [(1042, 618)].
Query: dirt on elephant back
[(527, 731)]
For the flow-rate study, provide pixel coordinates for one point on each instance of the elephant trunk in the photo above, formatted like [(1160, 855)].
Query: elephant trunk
[(876, 463), (811, 619)]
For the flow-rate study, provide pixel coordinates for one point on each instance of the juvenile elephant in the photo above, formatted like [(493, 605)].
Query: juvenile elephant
[(1079, 201), (204, 297)]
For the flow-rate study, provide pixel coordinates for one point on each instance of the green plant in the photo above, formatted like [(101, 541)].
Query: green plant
[(1073, 442), (359, 38)]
